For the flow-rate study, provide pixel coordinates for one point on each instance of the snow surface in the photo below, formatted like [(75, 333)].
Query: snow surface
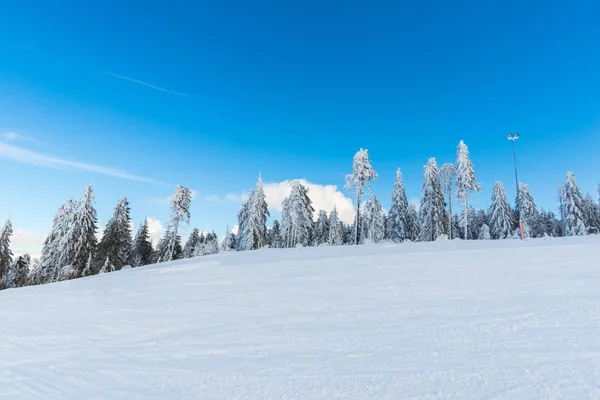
[(447, 320)]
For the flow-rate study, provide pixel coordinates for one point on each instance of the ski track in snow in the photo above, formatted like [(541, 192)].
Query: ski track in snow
[(446, 320)]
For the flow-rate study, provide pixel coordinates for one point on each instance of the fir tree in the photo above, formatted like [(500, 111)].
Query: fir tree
[(361, 176), (591, 214), (80, 240), (228, 241), (107, 267), (398, 216), (447, 174), (116, 241), (5, 252), (297, 217), (210, 244), (465, 180), (468, 217), (321, 228), (89, 268), (484, 232), (180, 213), (192, 244), (48, 268), (373, 229), (500, 215), (275, 237), (252, 218), (336, 229), (244, 236), (18, 273), (141, 250), (432, 204)]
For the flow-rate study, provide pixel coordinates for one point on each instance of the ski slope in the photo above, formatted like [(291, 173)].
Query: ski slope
[(447, 320)]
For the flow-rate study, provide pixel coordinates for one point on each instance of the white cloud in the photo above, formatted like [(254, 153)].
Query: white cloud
[(324, 197), (26, 156), (213, 198), (16, 136), (24, 241), (155, 229)]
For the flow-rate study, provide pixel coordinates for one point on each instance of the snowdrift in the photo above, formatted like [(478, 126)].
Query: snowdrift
[(446, 320)]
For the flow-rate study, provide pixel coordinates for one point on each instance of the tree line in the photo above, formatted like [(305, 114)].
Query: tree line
[(71, 249)]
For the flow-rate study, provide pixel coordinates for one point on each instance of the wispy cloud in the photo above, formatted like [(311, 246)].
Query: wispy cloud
[(14, 136), (18, 154), (213, 198), (125, 78)]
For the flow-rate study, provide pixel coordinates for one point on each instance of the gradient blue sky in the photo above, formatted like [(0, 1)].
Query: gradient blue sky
[(210, 93)]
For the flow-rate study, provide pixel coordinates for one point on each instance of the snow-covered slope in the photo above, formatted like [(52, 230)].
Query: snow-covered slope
[(451, 320)]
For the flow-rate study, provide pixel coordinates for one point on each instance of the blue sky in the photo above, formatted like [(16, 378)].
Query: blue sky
[(212, 93)]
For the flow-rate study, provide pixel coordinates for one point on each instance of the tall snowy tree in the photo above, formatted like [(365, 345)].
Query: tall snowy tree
[(275, 238), (432, 204), (141, 249), (500, 215), (297, 216), (192, 244), (228, 243), (398, 215), (373, 221), (18, 272), (80, 240), (591, 214), (253, 220), (528, 212), (413, 229), (361, 176), (465, 180), (321, 228), (447, 174), (336, 229), (116, 241), (572, 199), (180, 213), (468, 214), (48, 268), (5, 252)]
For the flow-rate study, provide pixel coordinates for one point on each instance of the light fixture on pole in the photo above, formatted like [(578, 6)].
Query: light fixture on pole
[(512, 137)]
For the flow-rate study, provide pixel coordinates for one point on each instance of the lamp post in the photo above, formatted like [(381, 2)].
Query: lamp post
[(512, 137)]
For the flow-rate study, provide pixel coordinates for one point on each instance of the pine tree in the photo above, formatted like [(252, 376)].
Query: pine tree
[(398, 216), (244, 236), (572, 203), (432, 204), (180, 212), (228, 241), (210, 245), (361, 176), (322, 228), (528, 211), (48, 268), (107, 267), (141, 250), (447, 174), (500, 215), (413, 229), (591, 214), (275, 237), (297, 217), (192, 244), (116, 241), (5, 252), (373, 230), (18, 273), (80, 240), (252, 218), (465, 180), (89, 269), (336, 229), (484, 232)]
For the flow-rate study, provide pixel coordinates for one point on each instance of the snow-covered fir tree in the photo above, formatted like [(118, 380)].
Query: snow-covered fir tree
[(107, 267), (228, 243), (141, 249), (275, 238), (244, 236), (413, 229), (116, 240), (431, 218), (373, 229), (465, 180), (48, 268), (18, 273), (297, 217), (499, 214), (5, 252), (169, 248), (336, 229), (209, 244), (572, 202), (484, 232), (80, 240), (447, 174), (591, 215), (361, 176), (192, 244), (321, 228), (398, 215), (528, 211), (180, 213)]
